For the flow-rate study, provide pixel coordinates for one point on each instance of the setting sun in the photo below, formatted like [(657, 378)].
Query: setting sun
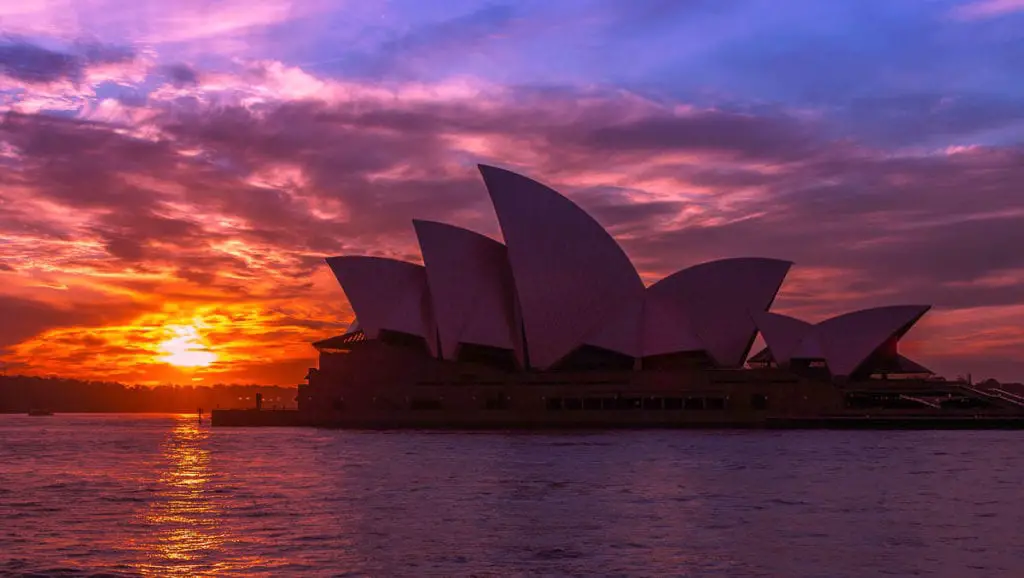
[(186, 349)]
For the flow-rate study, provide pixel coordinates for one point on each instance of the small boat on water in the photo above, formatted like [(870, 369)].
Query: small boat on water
[(39, 412)]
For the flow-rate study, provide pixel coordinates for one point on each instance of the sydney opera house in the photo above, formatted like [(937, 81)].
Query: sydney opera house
[(553, 326)]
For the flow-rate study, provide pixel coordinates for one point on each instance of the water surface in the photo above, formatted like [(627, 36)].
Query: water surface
[(162, 496)]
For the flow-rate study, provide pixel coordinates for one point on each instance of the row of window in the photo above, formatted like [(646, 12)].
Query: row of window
[(648, 403), (895, 400), (473, 381), (757, 401)]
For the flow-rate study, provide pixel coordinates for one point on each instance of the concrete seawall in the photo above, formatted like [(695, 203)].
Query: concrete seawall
[(293, 418), (256, 418)]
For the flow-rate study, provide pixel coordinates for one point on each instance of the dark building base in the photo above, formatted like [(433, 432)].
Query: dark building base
[(900, 423), (257, 418), (291, 418)]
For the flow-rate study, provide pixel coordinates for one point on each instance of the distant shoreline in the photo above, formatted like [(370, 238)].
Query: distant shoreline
[(206, 411), (21, 393)]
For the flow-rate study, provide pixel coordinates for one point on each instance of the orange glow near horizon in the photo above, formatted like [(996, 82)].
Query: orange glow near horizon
[(186, 349), (251, 342)]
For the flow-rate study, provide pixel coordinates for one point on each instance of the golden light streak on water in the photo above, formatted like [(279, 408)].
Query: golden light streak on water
[(185, 517)]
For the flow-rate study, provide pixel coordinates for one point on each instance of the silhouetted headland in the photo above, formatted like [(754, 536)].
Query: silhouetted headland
[(21, 394)]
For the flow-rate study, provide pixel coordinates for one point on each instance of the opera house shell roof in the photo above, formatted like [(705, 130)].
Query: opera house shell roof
[(560, 285)]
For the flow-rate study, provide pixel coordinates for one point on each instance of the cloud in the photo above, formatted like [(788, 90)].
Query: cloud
[(979, 9), (910, 224), (94, 52), (26, 318), (913, 119), (34, 64), (223, 193), (644, 16), (200, 20), (362, 159), (878, 70), (421, 46), (744, 136), (181, 75)]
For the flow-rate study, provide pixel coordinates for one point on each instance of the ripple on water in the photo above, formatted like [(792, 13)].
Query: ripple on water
[(162, 496)]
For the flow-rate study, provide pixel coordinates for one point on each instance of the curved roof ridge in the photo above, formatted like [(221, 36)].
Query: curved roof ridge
[(783, 334), (850, 338), (917, 310), (719, 298), (568, 271)]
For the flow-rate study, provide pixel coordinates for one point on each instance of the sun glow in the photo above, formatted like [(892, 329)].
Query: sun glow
[(186, 349)]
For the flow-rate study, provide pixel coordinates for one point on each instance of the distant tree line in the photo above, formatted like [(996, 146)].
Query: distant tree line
[(20, 393)]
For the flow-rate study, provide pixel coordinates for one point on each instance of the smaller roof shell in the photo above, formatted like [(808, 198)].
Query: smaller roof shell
[(845, 341), (470, 286), (849, 339), (782, 334), (718, 299), (387, 294)]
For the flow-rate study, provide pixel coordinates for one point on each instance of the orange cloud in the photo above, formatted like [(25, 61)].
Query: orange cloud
[(203, 214)]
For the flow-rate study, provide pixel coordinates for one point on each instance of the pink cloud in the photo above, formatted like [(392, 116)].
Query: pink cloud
[(152, 22), (226, 192), (979, 9)]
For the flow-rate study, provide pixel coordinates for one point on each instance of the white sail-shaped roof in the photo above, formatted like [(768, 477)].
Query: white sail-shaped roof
[(570, 275), (387, 294), (782, 334), (719, 298), (470, 287), (849, 339)]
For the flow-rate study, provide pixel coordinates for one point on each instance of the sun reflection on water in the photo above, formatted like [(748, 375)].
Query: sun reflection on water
[(185, 537)]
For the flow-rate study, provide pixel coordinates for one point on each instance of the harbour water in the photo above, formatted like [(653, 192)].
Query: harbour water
[(160, 495)]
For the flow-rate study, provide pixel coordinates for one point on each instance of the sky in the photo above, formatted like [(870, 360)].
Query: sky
[(172, 174)]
